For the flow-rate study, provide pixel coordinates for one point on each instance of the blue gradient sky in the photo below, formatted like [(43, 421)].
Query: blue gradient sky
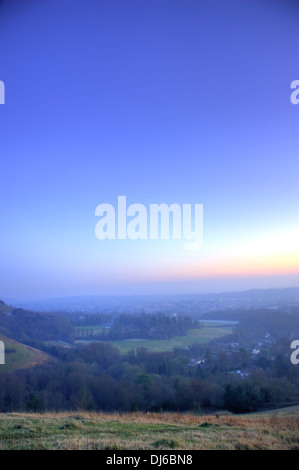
[(162, 101)]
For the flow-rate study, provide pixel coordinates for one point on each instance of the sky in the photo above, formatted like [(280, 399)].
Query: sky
[(161, 101)]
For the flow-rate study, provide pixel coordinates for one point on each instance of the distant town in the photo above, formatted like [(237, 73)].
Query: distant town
[(194, 305)]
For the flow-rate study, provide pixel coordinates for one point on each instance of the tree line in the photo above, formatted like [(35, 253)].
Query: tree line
[(97, 377)]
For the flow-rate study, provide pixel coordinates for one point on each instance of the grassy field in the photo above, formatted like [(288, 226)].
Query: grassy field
[(199, 335), (154, 431), (18, 356)]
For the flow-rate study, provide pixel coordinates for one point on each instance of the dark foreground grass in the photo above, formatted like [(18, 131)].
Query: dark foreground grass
[(138, 431)]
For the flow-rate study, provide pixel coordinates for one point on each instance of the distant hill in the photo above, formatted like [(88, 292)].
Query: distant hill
[(110, 303), (31, 327), (5, 309), (20, 356)]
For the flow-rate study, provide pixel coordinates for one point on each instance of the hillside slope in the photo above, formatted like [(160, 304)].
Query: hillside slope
[(29, 327), (20, 356)]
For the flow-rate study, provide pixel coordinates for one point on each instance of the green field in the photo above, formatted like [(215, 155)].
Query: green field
[(153, 431), (199, 335)]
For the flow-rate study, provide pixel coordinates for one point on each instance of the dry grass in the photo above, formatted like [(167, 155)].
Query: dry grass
[(139, 431)]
